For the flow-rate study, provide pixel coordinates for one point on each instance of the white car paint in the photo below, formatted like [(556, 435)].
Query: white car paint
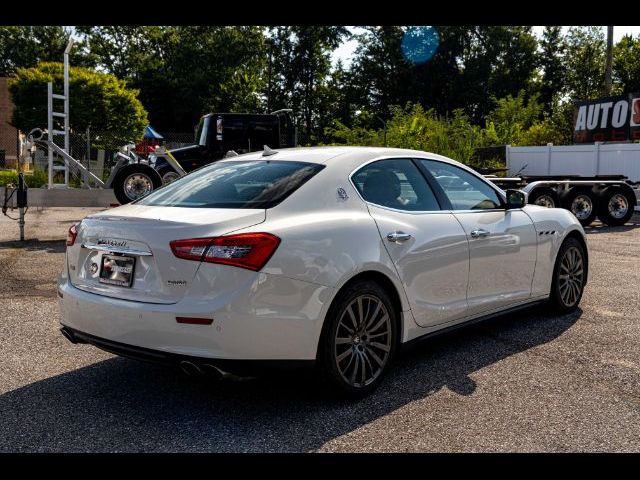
[(442, 276)]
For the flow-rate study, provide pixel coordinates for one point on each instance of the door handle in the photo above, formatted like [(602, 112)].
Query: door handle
[(398, 236), (479, 233)]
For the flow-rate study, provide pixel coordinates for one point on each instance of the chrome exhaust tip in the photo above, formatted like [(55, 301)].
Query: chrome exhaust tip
[(68, 334), (191, 369)]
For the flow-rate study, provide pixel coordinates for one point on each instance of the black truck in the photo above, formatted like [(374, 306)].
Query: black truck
[(219, 133)]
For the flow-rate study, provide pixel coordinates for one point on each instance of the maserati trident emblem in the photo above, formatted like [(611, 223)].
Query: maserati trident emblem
[(94, 267), (342, 193)]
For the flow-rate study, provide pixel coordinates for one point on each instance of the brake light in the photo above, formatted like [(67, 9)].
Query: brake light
[(245, 250), (72, 234)]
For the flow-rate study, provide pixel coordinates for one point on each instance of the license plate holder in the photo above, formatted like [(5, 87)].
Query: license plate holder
[(117, 270)]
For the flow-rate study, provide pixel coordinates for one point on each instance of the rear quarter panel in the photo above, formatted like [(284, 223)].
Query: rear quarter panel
[(327, 239)]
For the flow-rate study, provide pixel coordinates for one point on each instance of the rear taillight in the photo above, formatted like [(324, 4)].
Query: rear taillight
[(245, 250), (72, 234)]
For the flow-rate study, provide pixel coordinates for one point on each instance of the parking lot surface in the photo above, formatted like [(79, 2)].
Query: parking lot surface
[(524, 382)]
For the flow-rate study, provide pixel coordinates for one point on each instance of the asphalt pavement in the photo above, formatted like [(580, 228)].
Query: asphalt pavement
[(525, 382)]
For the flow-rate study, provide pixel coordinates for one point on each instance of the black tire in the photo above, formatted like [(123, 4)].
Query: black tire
[(560, 299), (620, 199), (145, 175), (168, 172), (335, 371), (585, 206), (544, 196)]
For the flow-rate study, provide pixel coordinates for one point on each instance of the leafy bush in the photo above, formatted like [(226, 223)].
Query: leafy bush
[(39, 178), (97, 100)]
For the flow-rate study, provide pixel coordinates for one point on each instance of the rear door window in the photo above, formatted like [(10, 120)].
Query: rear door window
[(235, 184), (397, 184)]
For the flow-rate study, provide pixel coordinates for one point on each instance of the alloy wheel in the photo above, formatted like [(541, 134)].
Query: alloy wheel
[(571, 276), (362, 343)]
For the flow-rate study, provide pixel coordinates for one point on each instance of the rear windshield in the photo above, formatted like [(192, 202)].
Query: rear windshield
[(235, 184)]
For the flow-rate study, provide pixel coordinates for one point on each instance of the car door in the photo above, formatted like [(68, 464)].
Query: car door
[(428, 246), (502, 243)]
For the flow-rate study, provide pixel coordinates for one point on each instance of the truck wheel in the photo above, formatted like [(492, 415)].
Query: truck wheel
[(135, 181), (168, 175), (582, 203), (616, 206), (545, 197)]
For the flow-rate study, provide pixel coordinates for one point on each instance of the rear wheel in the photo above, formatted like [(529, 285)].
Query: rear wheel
[(135, 181), (582, 203), (168, 175), (359, 339), (545, 197), (616, 206), (569, 276)]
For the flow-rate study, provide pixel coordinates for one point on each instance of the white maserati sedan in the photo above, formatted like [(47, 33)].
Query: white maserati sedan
[(333, 256)]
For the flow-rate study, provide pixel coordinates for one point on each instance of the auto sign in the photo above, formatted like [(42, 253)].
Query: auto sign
[(610, 119)]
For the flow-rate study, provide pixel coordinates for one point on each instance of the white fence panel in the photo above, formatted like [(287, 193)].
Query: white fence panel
[(583, 160), (620, 160)]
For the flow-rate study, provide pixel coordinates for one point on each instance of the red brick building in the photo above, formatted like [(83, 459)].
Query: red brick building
[(8, 134)]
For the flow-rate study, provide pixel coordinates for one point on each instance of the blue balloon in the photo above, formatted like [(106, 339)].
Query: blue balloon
[(419, 44)]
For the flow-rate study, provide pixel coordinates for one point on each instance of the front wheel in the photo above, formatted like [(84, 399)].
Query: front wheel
[(359, 339), (569, 276)]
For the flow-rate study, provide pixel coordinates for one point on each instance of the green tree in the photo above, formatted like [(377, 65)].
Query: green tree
[(551, 61), (585, 59), (626, 64), (301, 71), (26, 46), (183, 72), (98, 101), (512, 116), (380, 72)]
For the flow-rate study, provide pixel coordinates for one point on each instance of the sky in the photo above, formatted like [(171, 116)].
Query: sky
[(347, 49)]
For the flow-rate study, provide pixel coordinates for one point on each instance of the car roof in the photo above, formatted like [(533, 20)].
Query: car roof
[(327, 154)]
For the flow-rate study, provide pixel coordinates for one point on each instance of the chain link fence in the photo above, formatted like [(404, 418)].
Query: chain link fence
[(8, 147), (97, 151)]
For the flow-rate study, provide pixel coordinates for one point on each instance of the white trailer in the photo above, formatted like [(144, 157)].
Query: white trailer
[(595, 180)]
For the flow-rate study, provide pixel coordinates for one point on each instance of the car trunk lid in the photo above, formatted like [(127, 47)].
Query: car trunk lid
[(107, 240)]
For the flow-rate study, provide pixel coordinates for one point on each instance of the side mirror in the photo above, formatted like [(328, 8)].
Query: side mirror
[(516, 199)]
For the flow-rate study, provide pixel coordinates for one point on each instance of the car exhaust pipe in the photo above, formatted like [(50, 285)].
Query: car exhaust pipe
[(69, 335), (191, 369)]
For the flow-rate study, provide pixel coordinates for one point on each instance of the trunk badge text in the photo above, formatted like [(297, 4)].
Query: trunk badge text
[(176, 283), (112, 243)]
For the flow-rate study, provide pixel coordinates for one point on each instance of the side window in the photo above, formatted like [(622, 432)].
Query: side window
[(395, 183), (464, 190)]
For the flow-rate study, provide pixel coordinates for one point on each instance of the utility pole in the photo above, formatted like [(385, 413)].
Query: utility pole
[(269, 42), (609, 62)]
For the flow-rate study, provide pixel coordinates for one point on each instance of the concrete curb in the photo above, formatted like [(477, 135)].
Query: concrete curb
[(67, 197)]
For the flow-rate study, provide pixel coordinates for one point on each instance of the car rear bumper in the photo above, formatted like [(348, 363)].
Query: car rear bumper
[(237, 367), (272, 318)]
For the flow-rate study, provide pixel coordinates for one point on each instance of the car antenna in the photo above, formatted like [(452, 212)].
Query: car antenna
[(268, 152)]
